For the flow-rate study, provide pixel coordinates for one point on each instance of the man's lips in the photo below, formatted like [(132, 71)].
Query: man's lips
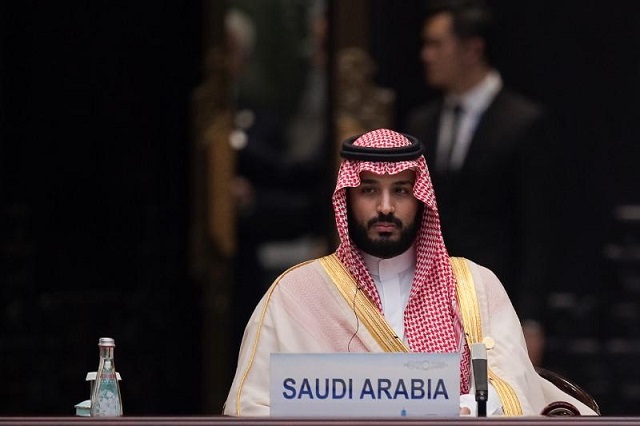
[(384, 226)]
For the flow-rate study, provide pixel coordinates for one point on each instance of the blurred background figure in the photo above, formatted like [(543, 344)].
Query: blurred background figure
[(361, 105), (280, 99), (491, 157)]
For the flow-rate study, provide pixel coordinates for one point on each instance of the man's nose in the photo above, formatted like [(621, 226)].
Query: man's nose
[(385, 203)]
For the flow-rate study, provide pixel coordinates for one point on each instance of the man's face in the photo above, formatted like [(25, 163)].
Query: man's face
[(443, 54), (383, 213)]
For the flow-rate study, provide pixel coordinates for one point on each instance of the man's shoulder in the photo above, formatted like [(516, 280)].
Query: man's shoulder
[(304, 271), (428, 108), (479, 274), (516, 103), (421, 114)]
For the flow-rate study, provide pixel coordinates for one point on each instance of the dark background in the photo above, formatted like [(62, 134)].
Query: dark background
[(94, 186)]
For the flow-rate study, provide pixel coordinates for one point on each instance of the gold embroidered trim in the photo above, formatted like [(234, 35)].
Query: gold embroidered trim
[(364, 308), (467, 299), (510, 402), (257, 337), (472, 323)]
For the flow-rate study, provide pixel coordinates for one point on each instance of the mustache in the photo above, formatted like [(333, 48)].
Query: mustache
[(386, 218)]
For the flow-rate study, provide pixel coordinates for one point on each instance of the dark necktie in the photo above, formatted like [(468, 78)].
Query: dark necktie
[(456, 114)]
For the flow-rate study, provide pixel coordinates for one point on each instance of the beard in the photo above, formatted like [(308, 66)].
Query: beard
[(383, 246)]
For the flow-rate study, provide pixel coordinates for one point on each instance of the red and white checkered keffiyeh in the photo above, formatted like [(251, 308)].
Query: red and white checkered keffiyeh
[(431, 319)]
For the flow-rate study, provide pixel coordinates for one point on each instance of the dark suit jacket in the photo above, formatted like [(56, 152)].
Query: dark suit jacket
[(498, 209)]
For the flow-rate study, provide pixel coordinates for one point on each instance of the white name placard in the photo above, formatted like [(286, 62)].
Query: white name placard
[(365, 385)]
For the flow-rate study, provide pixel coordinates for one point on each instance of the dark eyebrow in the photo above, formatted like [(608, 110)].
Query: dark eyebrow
[(368, 181), (404, 182)]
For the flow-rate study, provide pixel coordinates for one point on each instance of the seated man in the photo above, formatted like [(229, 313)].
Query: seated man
[(390, 286)]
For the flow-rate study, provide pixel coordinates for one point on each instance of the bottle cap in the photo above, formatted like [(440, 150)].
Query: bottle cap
[(106, 341)]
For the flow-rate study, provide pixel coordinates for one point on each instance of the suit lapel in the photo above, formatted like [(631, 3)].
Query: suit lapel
[(484, 134)]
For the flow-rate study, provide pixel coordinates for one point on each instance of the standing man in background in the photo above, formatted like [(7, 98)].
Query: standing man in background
[(491, 162)]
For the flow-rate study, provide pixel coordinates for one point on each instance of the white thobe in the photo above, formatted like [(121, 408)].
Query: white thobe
[(393, 279)]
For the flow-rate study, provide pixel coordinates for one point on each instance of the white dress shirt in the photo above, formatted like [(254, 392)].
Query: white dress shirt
[(474, 103)]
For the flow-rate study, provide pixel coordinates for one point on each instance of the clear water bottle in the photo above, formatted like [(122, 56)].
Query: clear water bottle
[(105, 398)]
